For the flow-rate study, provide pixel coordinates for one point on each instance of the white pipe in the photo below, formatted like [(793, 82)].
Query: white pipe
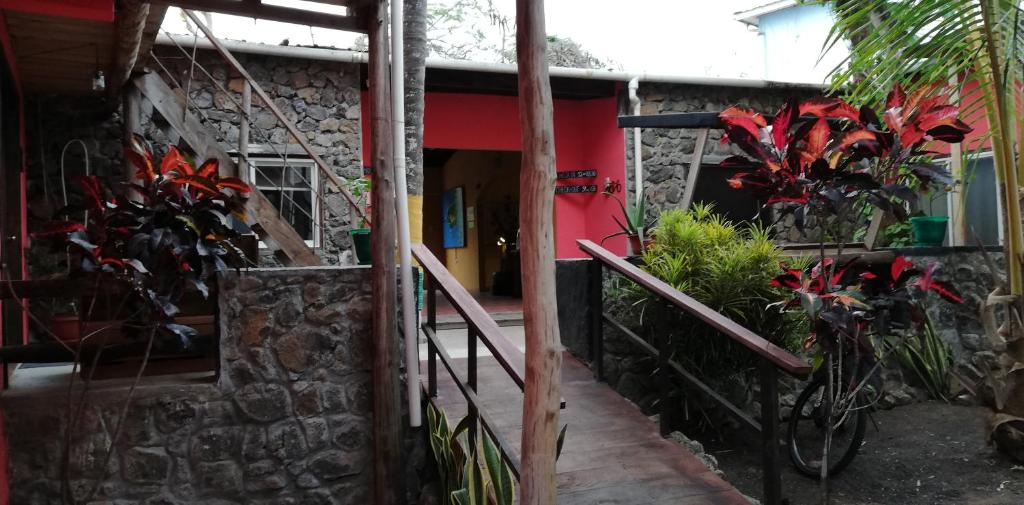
[(346, 56), (638, 162), (412, 350)]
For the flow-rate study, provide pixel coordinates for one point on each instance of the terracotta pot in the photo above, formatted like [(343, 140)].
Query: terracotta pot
[(634, 244), (67, 327)]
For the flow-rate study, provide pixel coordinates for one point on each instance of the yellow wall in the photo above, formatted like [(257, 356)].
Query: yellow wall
[(473, 170)]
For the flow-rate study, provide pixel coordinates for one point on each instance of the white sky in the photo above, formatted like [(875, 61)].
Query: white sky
[(679, 37)]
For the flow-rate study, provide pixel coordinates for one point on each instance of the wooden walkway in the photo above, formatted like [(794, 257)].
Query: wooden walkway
[(613, 454)]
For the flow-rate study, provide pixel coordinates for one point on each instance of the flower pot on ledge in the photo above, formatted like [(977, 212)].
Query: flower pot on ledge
[(361, 241), (929, 231)]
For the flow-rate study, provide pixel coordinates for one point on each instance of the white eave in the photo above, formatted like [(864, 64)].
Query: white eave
[(752, 17), (347, 56)]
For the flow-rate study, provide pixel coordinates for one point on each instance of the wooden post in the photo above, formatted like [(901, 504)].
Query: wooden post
[(243, 130), (131, 110), (389, 479), (694, 172), (771, 469), (537, 255)]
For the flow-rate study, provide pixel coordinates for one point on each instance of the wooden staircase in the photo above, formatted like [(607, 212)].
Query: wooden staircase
[(261, 215)]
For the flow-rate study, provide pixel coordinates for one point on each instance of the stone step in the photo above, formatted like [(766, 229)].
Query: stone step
[(455, 322)]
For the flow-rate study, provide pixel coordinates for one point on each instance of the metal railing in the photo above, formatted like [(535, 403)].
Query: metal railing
[(772, 358)]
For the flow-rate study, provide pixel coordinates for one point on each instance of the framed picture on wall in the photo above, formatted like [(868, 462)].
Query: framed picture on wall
[(453, 218)]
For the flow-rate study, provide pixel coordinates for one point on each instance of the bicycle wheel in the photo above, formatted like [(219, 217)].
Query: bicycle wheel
[(807, 433)]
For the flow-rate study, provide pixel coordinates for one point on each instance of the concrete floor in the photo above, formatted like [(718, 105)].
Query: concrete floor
[(455, 342)]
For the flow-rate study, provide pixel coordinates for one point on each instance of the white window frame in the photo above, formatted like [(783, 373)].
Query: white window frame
[(314, 181)]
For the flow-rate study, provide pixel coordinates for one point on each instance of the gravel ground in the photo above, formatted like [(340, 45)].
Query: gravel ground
[(922, 454)]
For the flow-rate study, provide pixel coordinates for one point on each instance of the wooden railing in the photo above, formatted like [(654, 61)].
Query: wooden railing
[(480, 328), (772, 357)]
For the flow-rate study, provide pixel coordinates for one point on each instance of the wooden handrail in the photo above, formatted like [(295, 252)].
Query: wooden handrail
[(300, 138), (508, 355), (58, 288), (763, 348)]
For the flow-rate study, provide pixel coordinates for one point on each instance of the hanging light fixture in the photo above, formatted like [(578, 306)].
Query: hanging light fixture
[(99, 81)]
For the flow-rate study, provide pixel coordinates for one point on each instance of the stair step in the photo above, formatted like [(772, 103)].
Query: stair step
[(455, 322)]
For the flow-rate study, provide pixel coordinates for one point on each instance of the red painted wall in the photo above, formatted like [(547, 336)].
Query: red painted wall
[(5, 44), (95, 10), (586, 137)]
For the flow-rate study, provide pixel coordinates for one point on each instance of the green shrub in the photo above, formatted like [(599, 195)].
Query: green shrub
[(729, 268)]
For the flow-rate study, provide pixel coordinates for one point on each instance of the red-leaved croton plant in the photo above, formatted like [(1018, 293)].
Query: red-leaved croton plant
[(825, 158), (173, 233)]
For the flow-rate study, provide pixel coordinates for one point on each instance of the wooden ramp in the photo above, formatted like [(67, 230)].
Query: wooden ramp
[(613, 453)]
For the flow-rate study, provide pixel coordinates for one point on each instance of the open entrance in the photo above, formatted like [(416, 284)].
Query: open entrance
[(471, 221)]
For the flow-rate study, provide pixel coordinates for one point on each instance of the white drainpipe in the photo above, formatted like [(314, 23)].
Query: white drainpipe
[(638, 162), (409, 313)]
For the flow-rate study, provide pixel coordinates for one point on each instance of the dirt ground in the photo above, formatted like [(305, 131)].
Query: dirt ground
[(922, 454)]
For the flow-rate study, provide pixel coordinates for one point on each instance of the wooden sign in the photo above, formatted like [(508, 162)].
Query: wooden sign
[(576, 188), (576, 174)]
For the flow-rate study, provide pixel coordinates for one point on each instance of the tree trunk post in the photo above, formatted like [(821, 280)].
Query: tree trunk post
[(415, 24), (537, 255), (388, 484)]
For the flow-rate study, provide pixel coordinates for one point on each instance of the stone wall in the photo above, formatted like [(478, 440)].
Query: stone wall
[(960, 326), (287, 421), (322, 99), (667, 152)]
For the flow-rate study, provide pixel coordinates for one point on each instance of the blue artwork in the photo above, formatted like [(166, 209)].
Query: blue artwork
[(453, 218)]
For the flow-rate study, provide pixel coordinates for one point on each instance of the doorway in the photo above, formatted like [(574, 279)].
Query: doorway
[(485, 185)]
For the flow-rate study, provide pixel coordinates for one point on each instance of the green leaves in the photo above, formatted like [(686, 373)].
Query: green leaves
[(728, 267), (462, 478)]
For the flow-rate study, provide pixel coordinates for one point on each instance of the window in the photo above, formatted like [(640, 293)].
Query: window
[(289, 188), (984, 213)]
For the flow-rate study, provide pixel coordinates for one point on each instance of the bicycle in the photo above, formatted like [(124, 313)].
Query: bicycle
[(845, 332)]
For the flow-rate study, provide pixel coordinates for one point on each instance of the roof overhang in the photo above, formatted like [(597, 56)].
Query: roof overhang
[(752, 17)]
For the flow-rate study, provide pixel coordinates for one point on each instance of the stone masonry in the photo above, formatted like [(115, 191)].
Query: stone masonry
[(667, 151), (322, 99), (287, 421)]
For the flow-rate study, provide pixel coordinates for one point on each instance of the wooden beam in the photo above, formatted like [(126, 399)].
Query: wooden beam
[(537, 255), (258, 10), (131, 111), (243, 131), (871, 236), (694, 172), (388, 477), (672, 120), (130, 24)]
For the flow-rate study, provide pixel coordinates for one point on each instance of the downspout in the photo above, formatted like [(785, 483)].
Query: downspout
[(409, 314), (638, 162)]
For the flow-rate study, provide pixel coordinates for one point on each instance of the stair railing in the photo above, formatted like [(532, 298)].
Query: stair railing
[(772, 358)]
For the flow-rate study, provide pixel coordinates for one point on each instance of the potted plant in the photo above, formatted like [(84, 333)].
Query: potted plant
[(163, 239), (360, 188), (929, 230), (634, 223)]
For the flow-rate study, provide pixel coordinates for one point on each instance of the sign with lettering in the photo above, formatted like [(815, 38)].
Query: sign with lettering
[(576, 188), (577, 174)]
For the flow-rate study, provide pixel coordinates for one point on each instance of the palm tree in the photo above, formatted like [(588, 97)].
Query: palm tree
[(979, 46)]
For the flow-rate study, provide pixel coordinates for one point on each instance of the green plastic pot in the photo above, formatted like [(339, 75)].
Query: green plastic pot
[(361, 239), (929, 231)]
